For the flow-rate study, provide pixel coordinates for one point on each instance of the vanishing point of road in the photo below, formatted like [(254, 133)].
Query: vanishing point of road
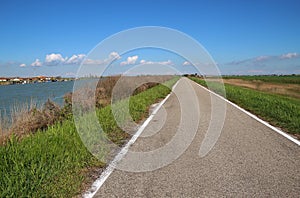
[(248, 160)]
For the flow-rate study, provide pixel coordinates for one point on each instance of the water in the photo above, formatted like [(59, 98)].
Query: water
[(39, 93)]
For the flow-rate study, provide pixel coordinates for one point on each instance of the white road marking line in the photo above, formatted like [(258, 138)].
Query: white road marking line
[(254, 117), (111, 167)]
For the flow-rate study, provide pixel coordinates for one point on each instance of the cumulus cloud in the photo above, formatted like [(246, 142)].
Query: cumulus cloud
[(54, 59), (23, 65), (130, 60), (289, 55), (142, 61), (75, 59), (36, 63), (114, 56), (57, 59), (186, 63)]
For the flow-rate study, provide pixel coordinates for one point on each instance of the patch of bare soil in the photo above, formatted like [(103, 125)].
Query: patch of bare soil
[(292, 90)]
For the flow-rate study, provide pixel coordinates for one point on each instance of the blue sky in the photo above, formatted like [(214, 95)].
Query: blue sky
[(243, 37)]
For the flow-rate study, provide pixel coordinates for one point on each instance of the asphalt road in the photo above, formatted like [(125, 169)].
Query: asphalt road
[(248, 160)]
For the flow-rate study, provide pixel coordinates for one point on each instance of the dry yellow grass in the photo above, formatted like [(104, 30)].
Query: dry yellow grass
[(292, 90), (28, 118)]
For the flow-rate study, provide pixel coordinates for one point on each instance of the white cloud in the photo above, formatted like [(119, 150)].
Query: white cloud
[(168, 62), (262, 58), (36, 63), (289, 55), (255, 60), (271, 64), (54, 59), (23, 65), (75, 59), (186, 63), (130, 60), (93, 62), (114, 56), (111, 57), (146, 62), (57, 59)]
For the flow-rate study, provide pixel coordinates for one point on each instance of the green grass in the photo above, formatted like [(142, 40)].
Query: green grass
[(292, 79), (51, 163), (48, 163), (280, 111)]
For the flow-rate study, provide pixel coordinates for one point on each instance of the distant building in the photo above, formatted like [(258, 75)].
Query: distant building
[(4, 79), (16, 80), (37, 79)]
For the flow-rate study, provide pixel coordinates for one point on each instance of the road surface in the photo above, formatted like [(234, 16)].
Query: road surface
[(249, 159)]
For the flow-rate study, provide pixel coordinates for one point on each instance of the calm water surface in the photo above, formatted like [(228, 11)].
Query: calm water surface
[(18, 95)]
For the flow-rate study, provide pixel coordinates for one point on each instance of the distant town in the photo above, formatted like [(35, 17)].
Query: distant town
[(31, 80)]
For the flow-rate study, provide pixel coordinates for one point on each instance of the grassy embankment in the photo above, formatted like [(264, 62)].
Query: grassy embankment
[(280, 111), (53, 162)]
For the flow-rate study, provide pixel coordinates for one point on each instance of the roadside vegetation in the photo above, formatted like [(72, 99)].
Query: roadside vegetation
[(50, 160), (285, 85), (280, 111)]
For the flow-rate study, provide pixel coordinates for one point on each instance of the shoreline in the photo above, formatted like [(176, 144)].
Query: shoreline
[(32, 80)]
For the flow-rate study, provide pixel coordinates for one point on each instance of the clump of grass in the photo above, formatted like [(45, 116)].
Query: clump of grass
[(280, 111), (4, 126), (30, 119)]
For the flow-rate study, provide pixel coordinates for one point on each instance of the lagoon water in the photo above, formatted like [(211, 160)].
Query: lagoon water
[(20, 94)]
